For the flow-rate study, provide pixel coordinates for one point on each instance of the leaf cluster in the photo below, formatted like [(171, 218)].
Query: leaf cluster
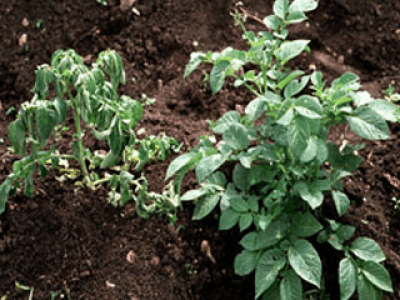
[(67, 84), (284, 166)]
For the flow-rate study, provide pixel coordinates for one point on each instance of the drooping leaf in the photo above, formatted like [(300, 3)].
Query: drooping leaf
[(196, 58), (5, 189), (17, 136), (217, 75), (62, 108), (347, 279), (46, 119), (305, 260)]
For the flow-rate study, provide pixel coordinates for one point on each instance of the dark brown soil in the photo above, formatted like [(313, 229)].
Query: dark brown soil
[(79, 245)]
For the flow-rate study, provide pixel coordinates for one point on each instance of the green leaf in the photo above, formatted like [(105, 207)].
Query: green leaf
[(367, 249), (204, 206), (305, 260), (193, 194), (366, 291), (61, 107), (245, 221), (304, 225), (5, 189), (245, 262), (346, 79), (43, 170), (303, 5), (236, 136), (223, 123), (273, 22), (347, 279), (299, 132), (280, 8), (240, 178), (291, 287), (255, 109), (29, 187), (228, 219), (274, 232), (273, 292), (377, 275), (286, 118), (196, 58), (311, 150), (208, 165), (368, 124), (313, 198), (289, 78), (111, 159), (296, 86), (17, 136), (267, 270), (311, 103), (238, 204), (385, 109), (217, 75), (46, 119), (249, 241), (296, 17), (342, 202), (179, 162), (290, 50)]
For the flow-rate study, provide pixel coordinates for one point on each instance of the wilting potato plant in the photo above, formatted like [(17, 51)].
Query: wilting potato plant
[(91, 94)]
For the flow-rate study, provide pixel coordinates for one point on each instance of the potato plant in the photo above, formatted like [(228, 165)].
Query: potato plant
[(91, 94), (284, 166)]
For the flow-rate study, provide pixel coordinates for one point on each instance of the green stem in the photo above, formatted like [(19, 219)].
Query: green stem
[(76, 112), (32, 133)]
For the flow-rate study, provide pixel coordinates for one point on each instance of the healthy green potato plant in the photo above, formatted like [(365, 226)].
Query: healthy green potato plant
[(283, 166), (69, 85)]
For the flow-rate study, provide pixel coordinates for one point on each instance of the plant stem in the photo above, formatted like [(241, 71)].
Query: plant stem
[(77, 120)]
